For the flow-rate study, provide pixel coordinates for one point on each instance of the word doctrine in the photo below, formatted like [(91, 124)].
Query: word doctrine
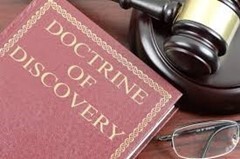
[(84, 51)]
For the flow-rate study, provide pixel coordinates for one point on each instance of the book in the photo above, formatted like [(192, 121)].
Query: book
[(69, 90)]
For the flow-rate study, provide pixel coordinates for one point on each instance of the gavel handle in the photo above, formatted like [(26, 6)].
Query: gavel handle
[(163, 10)]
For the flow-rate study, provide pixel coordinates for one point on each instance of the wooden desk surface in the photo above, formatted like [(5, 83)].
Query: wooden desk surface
[(115, 21)]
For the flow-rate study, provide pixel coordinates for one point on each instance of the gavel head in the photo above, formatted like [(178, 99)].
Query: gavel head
[(201, 33)]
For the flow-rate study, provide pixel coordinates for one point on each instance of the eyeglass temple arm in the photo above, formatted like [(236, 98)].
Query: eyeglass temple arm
[(207, 145), (189, 132), (199, 130)]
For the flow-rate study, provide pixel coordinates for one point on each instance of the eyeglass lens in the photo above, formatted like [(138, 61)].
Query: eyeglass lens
[(206, 140)]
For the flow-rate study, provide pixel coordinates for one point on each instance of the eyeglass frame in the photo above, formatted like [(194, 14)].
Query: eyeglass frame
[(170, 137)]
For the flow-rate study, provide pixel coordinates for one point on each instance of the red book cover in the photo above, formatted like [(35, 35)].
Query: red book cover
[(68, 90)]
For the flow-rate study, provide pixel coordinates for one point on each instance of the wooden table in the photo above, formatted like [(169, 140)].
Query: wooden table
[(115, 21)]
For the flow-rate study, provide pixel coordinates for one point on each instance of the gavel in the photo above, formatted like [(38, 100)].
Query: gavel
[(199, 35)]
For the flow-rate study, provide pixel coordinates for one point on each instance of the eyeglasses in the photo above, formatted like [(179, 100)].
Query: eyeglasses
[(205, 140)]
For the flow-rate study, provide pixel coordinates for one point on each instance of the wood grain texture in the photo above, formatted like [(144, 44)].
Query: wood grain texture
[(115, 21)]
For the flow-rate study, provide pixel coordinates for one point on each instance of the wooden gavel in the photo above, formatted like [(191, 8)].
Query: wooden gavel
[(202, 30)]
